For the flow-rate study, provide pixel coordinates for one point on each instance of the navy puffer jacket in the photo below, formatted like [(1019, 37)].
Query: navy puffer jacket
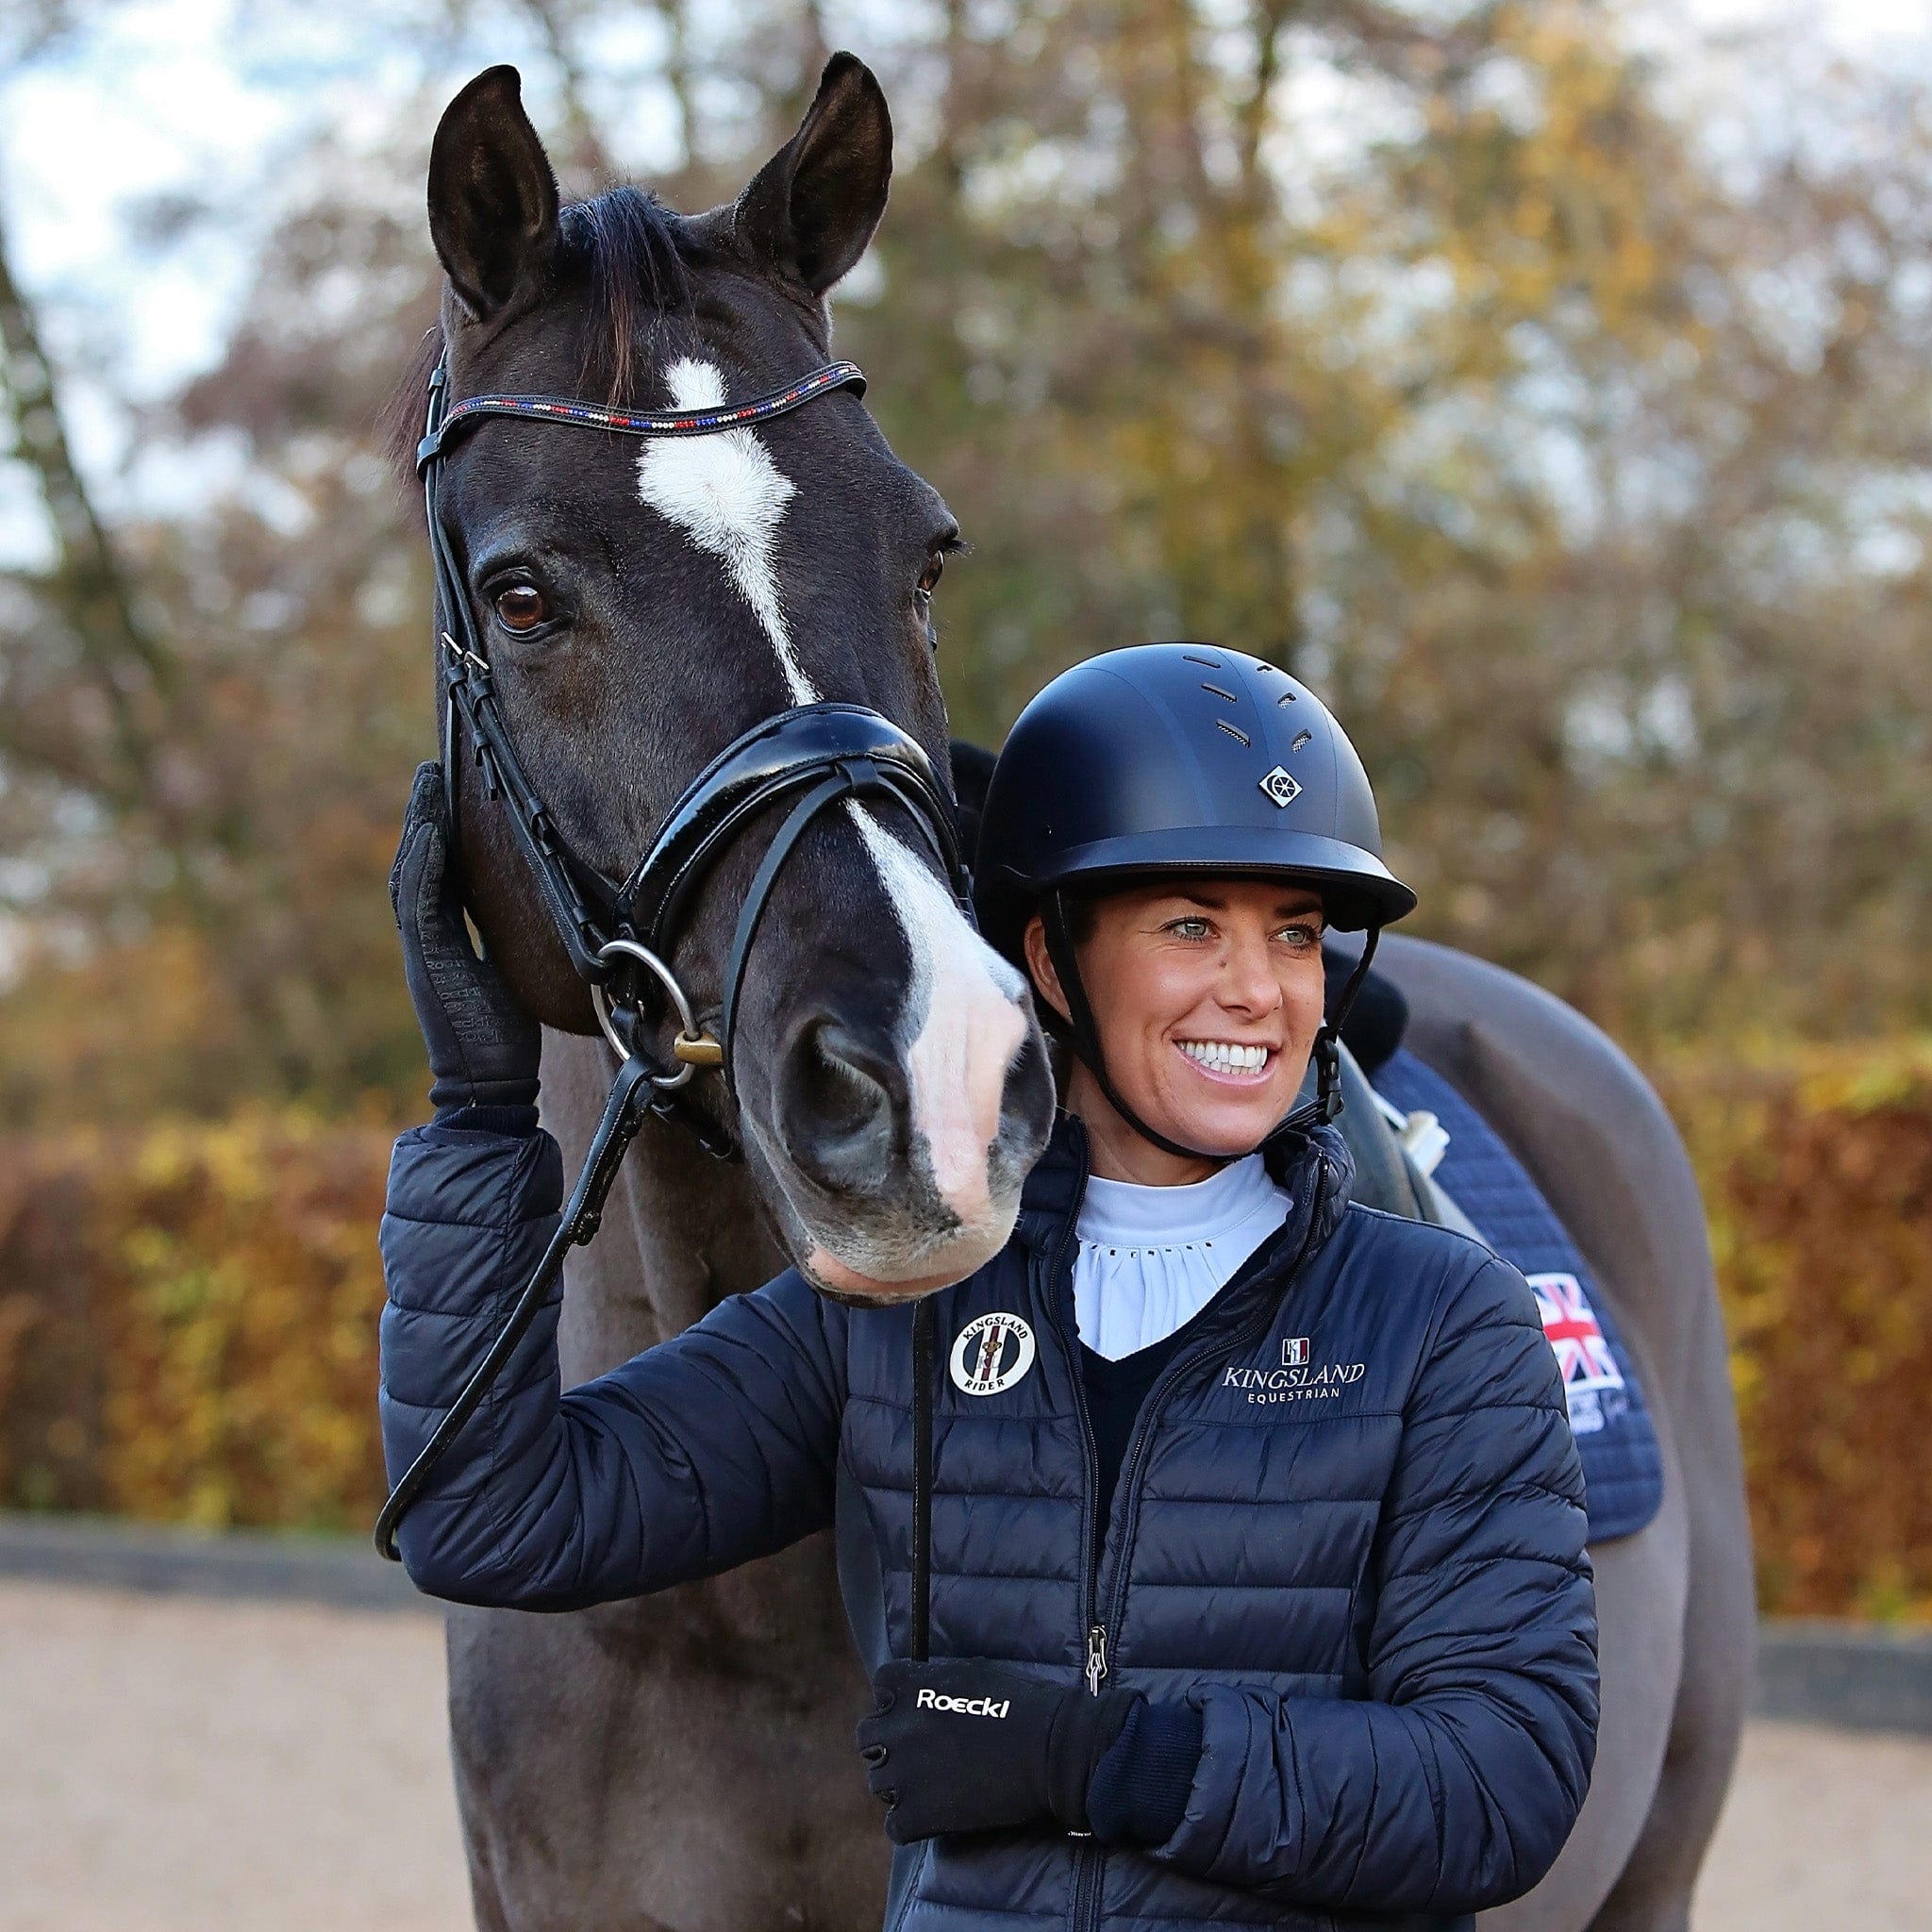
[(1348, 1528)]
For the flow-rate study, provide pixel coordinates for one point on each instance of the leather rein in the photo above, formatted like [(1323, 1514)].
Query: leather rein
[(620, 934)]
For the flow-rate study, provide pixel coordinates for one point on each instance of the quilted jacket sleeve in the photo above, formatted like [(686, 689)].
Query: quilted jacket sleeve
[(1455, 1787), (711, 1449)]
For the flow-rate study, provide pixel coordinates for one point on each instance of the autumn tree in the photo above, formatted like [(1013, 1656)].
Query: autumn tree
[(1556, 410)]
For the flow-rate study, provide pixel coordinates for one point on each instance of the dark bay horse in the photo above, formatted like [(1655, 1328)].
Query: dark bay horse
[(685, 1761)]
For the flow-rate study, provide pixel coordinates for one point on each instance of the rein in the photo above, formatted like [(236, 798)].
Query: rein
[(620, 934)]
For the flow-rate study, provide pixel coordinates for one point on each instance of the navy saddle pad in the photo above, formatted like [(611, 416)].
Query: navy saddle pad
[(1622, 1471)]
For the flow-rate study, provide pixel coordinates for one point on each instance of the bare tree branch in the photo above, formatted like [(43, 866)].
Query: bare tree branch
[(87, 583), (679, 76)]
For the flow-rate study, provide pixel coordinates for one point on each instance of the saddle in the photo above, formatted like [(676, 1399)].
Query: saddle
[(1423, 1152)]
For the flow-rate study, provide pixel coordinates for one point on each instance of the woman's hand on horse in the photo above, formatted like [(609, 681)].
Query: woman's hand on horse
[(483, 1045), (968, 1745)]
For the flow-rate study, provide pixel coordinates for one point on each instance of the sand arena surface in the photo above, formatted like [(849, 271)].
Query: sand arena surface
[(172, 1763)]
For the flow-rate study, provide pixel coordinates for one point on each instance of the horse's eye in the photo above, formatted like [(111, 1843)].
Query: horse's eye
[(930, 577), (521, 608)]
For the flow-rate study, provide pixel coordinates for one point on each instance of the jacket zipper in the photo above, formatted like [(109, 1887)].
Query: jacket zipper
[(1096, 1657), (1215, 1349), (1127, 1499), (1087, 1856)]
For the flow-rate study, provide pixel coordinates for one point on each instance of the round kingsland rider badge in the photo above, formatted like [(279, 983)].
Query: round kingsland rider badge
[(992, 1353)]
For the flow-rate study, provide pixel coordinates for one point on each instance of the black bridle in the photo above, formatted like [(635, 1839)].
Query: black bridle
[(621, 934)]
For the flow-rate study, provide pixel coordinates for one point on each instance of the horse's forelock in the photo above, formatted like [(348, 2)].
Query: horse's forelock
[(399, 423), (631, 246)]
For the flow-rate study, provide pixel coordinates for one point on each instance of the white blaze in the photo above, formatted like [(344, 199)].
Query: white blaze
[(728, 497), (965, 1000)]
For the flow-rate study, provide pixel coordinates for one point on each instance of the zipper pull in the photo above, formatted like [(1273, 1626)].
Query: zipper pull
[(1096, 1657)]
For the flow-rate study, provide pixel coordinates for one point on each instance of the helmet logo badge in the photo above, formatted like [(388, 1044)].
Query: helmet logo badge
[(1280, 787)]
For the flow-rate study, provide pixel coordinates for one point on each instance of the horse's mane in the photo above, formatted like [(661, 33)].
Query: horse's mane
[(630, 248)]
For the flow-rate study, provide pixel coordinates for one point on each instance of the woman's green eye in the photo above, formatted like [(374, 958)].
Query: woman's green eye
[(1189, 928)]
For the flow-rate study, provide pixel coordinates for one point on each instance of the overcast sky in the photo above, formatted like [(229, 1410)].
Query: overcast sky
[(179, 95)]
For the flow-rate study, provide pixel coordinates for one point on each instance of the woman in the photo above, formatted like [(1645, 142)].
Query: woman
[(1256, 1586)]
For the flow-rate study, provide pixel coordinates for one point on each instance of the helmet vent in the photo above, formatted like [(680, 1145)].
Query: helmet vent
[(1214, 690), (1212, 663), (1233, 731), (1286, 697), (1301, 741)]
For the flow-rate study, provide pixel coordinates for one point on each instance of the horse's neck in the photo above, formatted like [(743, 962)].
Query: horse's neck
[(681, 1230)]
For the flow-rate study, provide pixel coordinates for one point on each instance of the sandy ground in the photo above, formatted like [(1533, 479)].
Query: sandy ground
[(168, 1763)]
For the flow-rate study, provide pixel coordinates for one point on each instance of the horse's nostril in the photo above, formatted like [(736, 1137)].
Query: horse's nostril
[(840, 1096), (844, 1081), (1027, 1102)]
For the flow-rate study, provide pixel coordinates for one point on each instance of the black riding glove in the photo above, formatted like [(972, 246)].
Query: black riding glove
[(483, 1046), (969, 1746)]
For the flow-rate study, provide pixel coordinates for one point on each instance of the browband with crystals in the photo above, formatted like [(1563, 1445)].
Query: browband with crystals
[(707, 422)]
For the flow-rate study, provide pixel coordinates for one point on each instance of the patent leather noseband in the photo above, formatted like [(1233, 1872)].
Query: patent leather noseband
[(621, 935)]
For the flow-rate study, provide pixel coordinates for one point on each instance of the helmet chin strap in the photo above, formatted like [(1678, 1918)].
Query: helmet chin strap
[(1083, 1036)]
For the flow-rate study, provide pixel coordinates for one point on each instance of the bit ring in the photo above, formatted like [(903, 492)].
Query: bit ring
[(691, 1048)]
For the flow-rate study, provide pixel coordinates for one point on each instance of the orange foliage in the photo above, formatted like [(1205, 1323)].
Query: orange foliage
[(1817, 1175), (191, 1318)]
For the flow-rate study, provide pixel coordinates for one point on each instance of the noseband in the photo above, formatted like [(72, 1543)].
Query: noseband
[(620, 935)]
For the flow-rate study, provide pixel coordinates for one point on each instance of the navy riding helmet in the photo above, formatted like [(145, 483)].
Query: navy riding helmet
[(1166, 758)]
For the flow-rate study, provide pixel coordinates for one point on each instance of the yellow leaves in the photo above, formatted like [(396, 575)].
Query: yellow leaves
[(232, 1287), (1538, 181), (1816, 1165)]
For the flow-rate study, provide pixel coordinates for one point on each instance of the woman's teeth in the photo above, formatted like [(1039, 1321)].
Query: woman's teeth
[(1218, 1057)]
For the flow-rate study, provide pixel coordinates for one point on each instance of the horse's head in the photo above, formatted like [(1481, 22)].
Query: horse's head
[(643, 603)]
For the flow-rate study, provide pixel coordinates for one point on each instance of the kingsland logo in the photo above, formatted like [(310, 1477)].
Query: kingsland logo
[(1339, 1374), (1297, 1381), (963, 1707)]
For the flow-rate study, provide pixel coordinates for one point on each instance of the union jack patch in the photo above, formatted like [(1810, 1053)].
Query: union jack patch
[(1571, 1328)]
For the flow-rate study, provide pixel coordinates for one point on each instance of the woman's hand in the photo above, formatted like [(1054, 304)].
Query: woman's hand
[(968, 1745), (483, 1046)]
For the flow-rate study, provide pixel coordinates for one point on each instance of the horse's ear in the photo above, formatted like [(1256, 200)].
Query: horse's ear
[(813, 207), (493, 197)]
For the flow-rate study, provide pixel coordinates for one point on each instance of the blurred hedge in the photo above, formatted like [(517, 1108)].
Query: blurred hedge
[(188, 1323), (187, 1317), (1817, 1175)]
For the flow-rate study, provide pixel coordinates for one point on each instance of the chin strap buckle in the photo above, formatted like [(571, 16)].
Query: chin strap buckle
[(1328, 1076)]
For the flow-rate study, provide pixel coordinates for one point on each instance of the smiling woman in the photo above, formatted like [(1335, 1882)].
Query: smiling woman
[(1167, 835), (1281, 1716), (1208, 997)]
